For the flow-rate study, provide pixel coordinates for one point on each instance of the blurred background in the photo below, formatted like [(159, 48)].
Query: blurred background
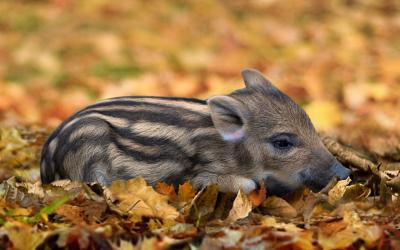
[(339, 59)]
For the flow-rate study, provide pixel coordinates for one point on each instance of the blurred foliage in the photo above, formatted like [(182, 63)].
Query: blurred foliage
[(340, 59)]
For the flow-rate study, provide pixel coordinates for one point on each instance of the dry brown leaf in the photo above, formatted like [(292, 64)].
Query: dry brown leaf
[(278, 207), (356, 192), (71, 213), (203, 204), (258, 196), (342, 237), (240, 209), (137, 198), (168, 190), (185, 192)]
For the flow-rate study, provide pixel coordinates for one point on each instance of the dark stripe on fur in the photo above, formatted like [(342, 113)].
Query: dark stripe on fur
[(169, 149), (158, 117)]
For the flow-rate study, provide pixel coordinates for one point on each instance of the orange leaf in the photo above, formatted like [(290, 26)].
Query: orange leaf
[(185, 192), (165, 189), (258, 196)]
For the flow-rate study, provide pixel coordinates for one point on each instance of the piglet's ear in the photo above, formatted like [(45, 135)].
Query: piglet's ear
[(254, 79), (228, 117)]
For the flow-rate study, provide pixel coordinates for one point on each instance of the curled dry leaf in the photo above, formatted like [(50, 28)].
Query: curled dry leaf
[(343, 192), (240, 209), (337, 192), (137, 198), (356, 192)]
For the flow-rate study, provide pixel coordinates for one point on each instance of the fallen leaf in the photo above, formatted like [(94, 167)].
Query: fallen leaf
[(356, 192), (240, 209), (278, 207), (331, 228), (341, 237), (337, 192), (303, 238), (24, 237), (137, 198), (168, 190), (270, 221), (258, 196), (71, 213), (203, 204), (185, 192)]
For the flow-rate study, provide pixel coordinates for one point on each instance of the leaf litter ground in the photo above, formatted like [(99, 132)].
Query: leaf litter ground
[(362, 213)]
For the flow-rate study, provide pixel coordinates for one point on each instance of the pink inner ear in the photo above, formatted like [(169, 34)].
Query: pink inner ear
[(236, 135)]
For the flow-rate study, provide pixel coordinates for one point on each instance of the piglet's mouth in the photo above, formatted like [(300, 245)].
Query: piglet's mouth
[(276, 187)]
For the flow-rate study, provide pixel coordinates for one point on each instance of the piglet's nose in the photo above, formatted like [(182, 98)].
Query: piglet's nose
[(340, 171)]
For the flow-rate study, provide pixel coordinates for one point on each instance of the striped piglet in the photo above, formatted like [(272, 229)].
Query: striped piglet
[(236, 140)]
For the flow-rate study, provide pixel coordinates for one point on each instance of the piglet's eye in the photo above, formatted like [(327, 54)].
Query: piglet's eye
[(282, 144), (283, 141)]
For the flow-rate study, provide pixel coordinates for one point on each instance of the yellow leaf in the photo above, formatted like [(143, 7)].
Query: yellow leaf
[(337, 192), (138, 199), (23, 237)]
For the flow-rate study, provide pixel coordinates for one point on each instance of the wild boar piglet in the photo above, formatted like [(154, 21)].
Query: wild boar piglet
[(235, 140)]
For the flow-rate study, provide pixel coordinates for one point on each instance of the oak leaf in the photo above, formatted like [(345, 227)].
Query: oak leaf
[(168, 190)]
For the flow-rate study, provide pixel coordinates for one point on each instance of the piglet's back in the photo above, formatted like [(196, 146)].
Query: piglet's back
[(124, 137)]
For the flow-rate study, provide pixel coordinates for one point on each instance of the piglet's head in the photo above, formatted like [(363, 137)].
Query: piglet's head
[(275, 136)]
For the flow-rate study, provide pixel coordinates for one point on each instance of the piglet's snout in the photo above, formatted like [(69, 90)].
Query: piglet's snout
[(318, 178), (340, 171)]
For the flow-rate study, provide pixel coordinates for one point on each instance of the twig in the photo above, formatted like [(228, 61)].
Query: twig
[(355, 159), (348, 155)]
